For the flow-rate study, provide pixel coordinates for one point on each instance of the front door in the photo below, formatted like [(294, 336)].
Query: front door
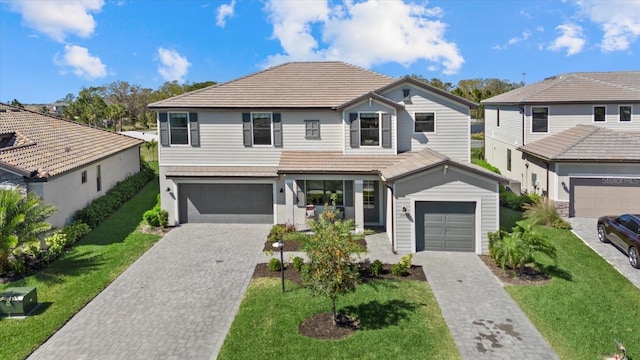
[(371, 201)]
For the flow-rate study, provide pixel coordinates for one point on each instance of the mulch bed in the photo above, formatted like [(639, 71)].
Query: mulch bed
[(297, 246), (528, 276)]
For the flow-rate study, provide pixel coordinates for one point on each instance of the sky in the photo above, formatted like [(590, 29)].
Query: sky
[(49, 48)]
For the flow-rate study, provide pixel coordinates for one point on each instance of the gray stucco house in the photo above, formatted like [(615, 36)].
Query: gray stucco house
[(573, 138), (273, 146), (66, 163)]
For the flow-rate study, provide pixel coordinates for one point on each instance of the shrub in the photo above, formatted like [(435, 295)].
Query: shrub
[(516, 249), (102, 207), (276, 233), (298, 263), (402, 267), (274, 264), (514, 201), (298, 237), (376, 267), (405, 261), (486, 165), (75, 231), (163, 217), (477, 153), (151, 217), (542, 212), (561, 224), (398, 270)]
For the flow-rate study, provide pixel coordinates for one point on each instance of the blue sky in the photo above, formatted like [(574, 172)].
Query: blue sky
[(50, 48)]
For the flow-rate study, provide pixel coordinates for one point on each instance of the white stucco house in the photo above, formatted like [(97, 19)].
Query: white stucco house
[(66, 163), (574, 138), (274, 146)]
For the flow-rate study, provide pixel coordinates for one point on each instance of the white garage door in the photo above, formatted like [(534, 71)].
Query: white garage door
[(595, 197)]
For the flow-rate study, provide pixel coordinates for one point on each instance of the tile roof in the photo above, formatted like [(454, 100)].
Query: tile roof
[(223, 171), (586, 143), (587, 87), (290, 85), (49, 146)]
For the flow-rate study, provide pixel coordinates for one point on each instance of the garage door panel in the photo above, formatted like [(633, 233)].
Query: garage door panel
[(226, 203), (446, 226), (595, 197)]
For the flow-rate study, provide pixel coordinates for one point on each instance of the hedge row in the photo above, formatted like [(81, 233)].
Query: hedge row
[(102, 207), (507, 197)]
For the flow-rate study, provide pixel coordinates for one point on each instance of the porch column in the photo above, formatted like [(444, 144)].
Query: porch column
[(358, 205), (289, 203)]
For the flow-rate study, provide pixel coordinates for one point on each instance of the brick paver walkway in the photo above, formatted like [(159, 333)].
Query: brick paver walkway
[(176, 302)]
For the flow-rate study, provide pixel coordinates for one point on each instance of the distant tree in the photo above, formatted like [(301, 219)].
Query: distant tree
[(435, 82), (115, 113), (44, 109), (89, 107), (16, 103), (197, 85), (477, 90)]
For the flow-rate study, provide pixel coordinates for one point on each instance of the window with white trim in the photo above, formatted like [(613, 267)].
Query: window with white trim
[(599, 113), (625, 113), (369, 129), (179, 128), (261, 128), (312, 129), (425, 122), (539, 119)]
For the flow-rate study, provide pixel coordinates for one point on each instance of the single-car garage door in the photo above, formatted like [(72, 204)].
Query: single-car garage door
[(226, 203), (595, 197), (445, 226)]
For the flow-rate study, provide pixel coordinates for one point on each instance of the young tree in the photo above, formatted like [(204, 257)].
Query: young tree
[(331, 269), (22, 219)]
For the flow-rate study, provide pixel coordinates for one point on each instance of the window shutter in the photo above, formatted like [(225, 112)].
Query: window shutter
[(277, 130), (386, 130), (246, 129), (163, 120), (348, 193), (195, 129), (355, 128)]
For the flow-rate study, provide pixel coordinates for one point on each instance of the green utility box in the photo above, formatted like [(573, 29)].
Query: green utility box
[(18, 301)]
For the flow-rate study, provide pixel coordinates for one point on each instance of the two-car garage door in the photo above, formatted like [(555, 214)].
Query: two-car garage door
[(595, 197), (226, 203), (445, 226)]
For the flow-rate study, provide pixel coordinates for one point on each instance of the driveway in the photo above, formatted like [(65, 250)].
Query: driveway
[(176, 302), (585, 229)]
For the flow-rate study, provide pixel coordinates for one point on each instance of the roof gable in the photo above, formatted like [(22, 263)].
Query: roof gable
[(588, 87), (41, 145), (290, 85)]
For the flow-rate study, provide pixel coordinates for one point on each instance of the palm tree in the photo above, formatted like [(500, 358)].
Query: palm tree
[(22, 219)]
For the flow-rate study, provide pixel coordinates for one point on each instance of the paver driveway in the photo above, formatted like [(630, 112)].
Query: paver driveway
[(176, 302)]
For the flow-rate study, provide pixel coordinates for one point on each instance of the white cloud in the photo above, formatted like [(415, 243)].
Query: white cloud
[(172, 66), (572, 39), (81, 62), (514, 40), (620, 21), (224, 11), (58, 19), (364, 33)]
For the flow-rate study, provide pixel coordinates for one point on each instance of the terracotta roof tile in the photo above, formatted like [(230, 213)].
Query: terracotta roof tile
[(291, 85), (586, 142), (588, 87), (50, 146)]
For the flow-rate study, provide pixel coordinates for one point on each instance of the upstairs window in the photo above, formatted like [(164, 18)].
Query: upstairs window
[(261, 125), (179, 128), (425, 122), (539, 119), (369, 129), (625, 113), (312, 129), (599, 113)]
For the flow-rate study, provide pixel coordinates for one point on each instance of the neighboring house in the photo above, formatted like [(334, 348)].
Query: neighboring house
[(67, 164), (274, 146), (574, 138)]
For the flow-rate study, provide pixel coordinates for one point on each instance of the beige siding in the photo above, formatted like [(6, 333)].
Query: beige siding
[(69, 194), (455, 185), (374, 107)]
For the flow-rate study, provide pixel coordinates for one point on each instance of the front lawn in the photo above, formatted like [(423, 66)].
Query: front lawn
[(398, 319), (69, 283), (587, 305)]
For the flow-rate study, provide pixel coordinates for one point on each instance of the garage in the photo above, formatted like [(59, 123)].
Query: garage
[(595, 197), (445, 226), (226, 203)]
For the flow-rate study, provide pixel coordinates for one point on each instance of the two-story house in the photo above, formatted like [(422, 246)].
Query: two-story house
[(574, 138), (276, 145)]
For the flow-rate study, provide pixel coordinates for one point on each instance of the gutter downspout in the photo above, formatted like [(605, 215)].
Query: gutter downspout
[(393, 216), (523, 125), (547, 192)]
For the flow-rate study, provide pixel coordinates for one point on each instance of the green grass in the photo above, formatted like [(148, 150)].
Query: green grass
[(399, 320), (69, 283), (509, 217), (587, 305)]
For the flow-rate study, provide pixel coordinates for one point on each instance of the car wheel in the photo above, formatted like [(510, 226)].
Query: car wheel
[(602, 236), (634, 258)]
